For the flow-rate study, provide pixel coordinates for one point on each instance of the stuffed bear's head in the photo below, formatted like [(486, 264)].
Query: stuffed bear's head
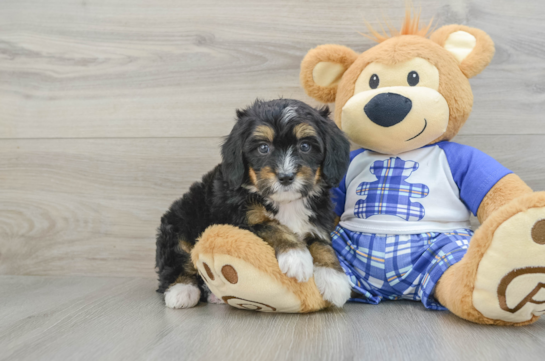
[(405, 92)]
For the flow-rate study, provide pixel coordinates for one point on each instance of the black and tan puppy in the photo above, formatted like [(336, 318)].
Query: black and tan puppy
[(279, 163)]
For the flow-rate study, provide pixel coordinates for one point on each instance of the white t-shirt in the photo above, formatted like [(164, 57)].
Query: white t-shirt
[(430, 189)]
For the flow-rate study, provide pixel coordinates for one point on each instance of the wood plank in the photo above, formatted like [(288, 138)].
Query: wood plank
[(125, 68), (91, 206), (125, 319), (23, 297)]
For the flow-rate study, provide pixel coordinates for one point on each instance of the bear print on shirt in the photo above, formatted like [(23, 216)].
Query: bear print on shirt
[(391, 194)]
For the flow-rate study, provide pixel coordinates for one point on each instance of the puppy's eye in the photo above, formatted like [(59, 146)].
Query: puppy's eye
[(305, 147), (263, 148), (413, 78), (373, 82)]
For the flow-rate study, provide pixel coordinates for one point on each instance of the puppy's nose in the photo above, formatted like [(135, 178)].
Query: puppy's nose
[(388, 109), (286, 178)]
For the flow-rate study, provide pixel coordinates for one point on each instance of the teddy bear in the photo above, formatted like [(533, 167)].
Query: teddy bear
[(404, 205)]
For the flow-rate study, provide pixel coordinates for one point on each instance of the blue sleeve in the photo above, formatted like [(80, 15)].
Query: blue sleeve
[(474, 172), (338, 195)]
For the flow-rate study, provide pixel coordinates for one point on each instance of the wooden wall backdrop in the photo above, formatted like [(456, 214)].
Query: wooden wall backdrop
[(109, 109)]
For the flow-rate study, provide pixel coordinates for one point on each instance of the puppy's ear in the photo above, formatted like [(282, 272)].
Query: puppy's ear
[(241, 113), (232, 164), (322, 69), (337, 153), (324, 111)]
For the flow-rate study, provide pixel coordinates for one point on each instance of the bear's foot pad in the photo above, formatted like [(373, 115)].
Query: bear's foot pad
[(241, 285), (510, 283)]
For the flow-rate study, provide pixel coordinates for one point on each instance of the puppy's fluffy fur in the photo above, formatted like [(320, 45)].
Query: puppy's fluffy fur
[(279, 163)]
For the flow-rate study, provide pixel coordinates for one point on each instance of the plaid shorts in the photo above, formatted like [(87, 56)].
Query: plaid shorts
[(398, 266)]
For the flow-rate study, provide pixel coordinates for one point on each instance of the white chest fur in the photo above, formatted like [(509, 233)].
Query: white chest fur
[(295, 215)]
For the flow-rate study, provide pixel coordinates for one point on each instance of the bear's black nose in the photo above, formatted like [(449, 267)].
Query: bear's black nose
[(388, 109)]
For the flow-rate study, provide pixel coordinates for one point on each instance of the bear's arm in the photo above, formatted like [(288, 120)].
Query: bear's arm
[(507, 189)]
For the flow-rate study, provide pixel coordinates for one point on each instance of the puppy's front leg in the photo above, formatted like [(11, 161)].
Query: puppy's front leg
[(292, 254), (328, 273)]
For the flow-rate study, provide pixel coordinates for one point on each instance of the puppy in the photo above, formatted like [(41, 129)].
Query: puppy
[(279, 163)]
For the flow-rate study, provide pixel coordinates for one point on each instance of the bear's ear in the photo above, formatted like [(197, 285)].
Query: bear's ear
[(322, 69), (472, 47)]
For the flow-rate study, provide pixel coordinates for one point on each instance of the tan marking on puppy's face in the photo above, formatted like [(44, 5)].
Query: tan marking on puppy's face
[(266, 173), (252, 176), (396, 108), (264, 132), (305, 172), (318, 175), (304, 130), (305, 175), (266, 178)]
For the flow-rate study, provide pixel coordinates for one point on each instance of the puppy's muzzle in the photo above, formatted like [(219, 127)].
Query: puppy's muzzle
[(388, 109)]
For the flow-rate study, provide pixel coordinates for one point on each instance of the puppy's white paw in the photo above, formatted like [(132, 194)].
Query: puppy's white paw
[(213, 299), (296, 263), (182, 296), (333, 285)]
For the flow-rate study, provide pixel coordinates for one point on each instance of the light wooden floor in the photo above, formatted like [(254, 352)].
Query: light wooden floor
[(91, 318), (110, 109)]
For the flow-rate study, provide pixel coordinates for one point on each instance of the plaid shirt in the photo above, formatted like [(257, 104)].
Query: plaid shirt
[(391, 194)]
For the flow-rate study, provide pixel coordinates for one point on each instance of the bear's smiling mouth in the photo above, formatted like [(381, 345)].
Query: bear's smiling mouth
[(422, 131)]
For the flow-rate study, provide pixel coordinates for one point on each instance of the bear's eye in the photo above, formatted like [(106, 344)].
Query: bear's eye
[(263, 148), (413, 78), (373, 82)]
